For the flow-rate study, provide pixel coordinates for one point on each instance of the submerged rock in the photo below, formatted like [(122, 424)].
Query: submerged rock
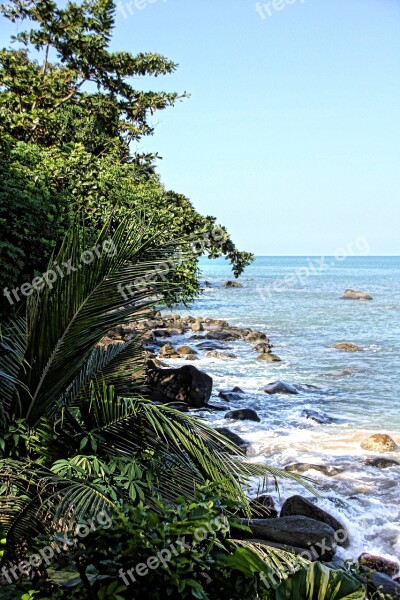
[(379, 442), (355, 295), (269, 357), (348, 347), (300, 468), (382, 463), (317, 416), (232, 284), (243, 414), (279, 387), (217, 354), (297, 505), (230, 396), (187, 384)]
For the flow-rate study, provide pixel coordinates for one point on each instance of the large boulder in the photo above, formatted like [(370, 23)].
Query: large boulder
[(243, 414), (348, 347), (279, 387), (379, 563), (187, 384), (387, 587), (297, 505), (233, 437), (168, 351), (379, 442), (354, 295), (317, 539)]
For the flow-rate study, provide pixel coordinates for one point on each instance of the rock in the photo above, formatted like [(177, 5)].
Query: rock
[(191, 357), (354, 295), (232, 437), (382, 463), (386, 586), (243, 414), (296, 505), (279, 387), (220, 335), (232, 284), (269, 357), (161, 333), (263, 506), (297, 531), (216, 323), (262, 347), (168, 351), (317, 416), (379, 442), (348, 347), (255, 336), (379, 563), (186, 384), (216, 354), (303, 467), (198, 326), (186, 350), (238, 390), (230, 396), (174, 331), (210, 345)]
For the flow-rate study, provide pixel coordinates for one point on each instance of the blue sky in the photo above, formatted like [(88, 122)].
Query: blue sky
[(291, 136)]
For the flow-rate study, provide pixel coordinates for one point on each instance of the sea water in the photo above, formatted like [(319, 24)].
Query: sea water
[(297, 302)]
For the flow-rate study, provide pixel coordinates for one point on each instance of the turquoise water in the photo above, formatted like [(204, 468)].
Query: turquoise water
[(304, 317)]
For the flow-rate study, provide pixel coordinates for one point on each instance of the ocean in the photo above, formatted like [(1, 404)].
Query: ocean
[(297, 302)]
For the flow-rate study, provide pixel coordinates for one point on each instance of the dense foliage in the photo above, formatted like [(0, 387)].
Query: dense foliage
[(69, 118)]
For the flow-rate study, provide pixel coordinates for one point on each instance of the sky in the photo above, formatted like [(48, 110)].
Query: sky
[(291, 136)]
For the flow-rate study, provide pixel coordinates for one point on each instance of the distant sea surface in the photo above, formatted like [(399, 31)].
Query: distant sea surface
[(296, 302)]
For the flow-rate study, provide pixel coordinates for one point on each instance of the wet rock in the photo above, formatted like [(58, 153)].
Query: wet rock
[(161, 333), (317, 416), (355, 295), (297, 531), (255, 336), (243, 414), (168, 351), (175, 330), (348, 347), (186, 384), (233, 437), (217, 354), (263, 506), (279, 387), (300, 468), (186, 350), (387, 587), (382, 463), (379, 563), (297, 505), (198, 326), (263, 347), (379, 442), (230, 396), (221, 335), (216, 323), (270, 357), (209, 345), (238, 390), (232, 284)]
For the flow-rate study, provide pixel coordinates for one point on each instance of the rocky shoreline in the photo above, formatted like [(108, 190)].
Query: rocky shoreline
[(301, 526)]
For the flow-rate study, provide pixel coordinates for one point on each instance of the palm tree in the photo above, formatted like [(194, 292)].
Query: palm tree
[(74, 441)]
